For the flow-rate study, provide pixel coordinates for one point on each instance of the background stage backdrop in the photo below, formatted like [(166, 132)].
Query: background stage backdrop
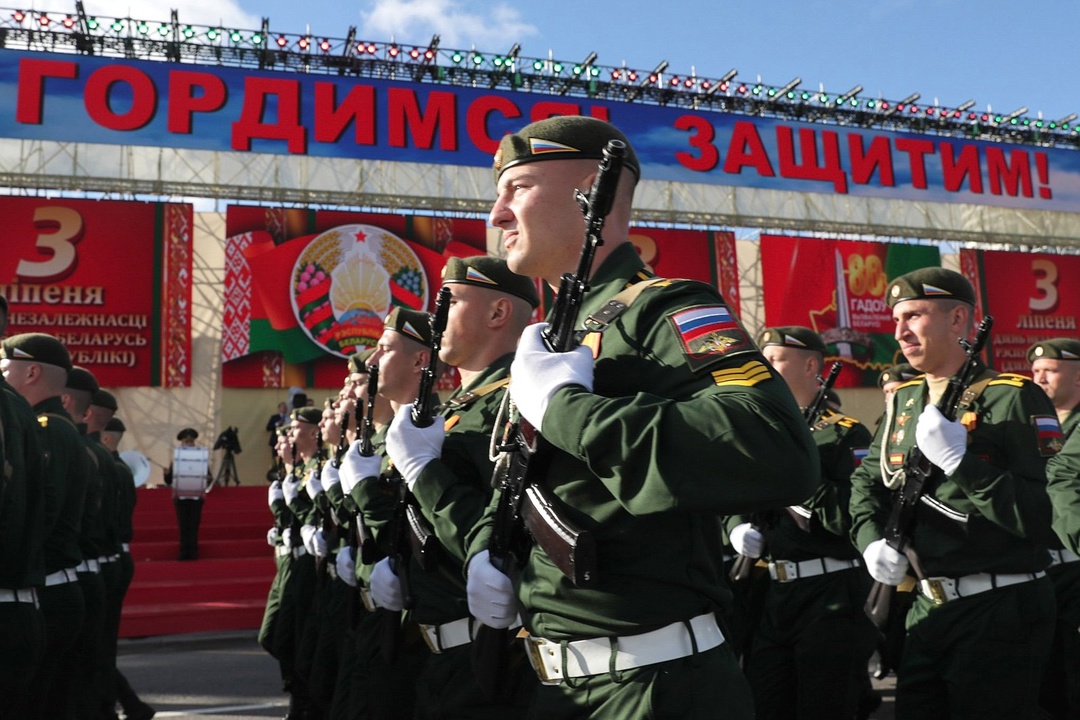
[(110, 279)]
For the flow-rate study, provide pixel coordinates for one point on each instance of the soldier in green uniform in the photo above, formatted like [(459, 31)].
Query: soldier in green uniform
[(980, 630), (810, 651), (1055, 367), (663, 421), (36, 365), (894, 376), (448, 468), (1063, 485), (22, 560)]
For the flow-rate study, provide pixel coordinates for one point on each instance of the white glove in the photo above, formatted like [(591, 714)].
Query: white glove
[(290, 489), (355, 467), (331, 475), (314, 540), (490, 593), (942, 442), (272, 536), (275, 494), (747, 540), (346, 566), (313, 485), (288, 539), (884, 563), (386, 586), (538, 373), (411, 447)]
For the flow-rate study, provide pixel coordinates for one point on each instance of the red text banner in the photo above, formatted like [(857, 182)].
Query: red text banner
[(110, 279), (1031, 296), (837, 288)]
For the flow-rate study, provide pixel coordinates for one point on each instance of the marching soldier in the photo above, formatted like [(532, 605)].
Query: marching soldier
[(811, 648), (36, 365), (663, 421), (980, 629), (1055, 367)]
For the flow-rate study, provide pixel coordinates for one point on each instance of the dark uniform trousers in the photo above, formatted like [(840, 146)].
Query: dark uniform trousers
[(63, 608), (188, 518), (978, 657), (22, 637), (87, 652), (1060, 696)]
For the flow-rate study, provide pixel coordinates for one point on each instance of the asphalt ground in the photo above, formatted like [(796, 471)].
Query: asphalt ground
[(227, 675)]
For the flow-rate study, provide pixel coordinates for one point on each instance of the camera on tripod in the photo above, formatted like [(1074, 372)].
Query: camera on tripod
[(228, 440)]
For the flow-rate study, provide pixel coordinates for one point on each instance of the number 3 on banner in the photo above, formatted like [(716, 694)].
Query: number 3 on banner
[(1046, 275), (59, 228)]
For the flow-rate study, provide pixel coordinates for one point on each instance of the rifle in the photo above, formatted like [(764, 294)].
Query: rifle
[(365, 541), (408, 535), (527, 509), (920, 475), (743, 565)]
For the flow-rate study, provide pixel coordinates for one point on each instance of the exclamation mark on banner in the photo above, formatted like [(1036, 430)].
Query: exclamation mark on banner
[(1042, 167)]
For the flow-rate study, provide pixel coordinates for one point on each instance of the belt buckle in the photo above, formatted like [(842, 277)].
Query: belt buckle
[(365, 597), (782, 571), (934, 589), (430, 633), (536, 659)]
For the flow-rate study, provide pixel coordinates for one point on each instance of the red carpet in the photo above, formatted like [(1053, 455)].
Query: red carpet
[(225, 589)]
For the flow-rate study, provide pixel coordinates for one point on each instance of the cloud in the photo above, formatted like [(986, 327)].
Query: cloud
[(417, 20), (227, 13)]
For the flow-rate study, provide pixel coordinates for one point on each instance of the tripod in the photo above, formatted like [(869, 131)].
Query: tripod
[(227, 471)]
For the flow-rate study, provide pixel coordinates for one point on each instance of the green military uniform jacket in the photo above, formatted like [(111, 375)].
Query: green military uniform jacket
[(842, 442), (22, 494), (993, 513), (67, 475), (687, 421), (453, 492), (373, 499), (1063, 485)]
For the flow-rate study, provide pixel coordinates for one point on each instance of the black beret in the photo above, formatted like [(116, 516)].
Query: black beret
[(187, 433), (932, 283), (358, 361), (901, 372), (38, 347), (793, 336), (413, 324), (492, 273), (309, 414), (1055, 349), (561, 138), (105, 399), (116, 425), (79, 378)]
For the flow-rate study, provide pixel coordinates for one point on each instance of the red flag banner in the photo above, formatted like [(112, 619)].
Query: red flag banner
[(691, 254), (110, 279), (1031, 296), (837, 288)]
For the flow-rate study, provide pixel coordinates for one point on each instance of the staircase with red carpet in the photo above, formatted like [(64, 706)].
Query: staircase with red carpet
[(225, 589)]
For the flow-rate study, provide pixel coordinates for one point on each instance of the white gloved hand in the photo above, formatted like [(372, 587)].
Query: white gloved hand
[(289, 539), (275, 494), (411, 447), (346, 566), (942, 442), (313, 485), (290, 489), (272, 537), (386, 586), (355, 467), (747, 540), (884, 563), (490, 593), (331, 475), (538, 373), (314, 540)]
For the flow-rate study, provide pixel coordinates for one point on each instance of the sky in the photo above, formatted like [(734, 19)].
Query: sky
[(1002, 54)]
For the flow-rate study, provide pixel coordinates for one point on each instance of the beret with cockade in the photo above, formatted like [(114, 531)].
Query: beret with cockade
[(1055, 349), (932, 283), (358, 361), (413, 324), (901, 372), (793, 336), (38, 347), (310, 414), (79, 378), (492, 273), (561, 138)]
